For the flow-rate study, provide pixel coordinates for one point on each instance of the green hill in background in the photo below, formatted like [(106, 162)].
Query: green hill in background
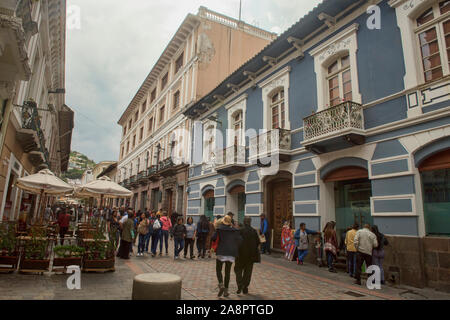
[(78, 163)]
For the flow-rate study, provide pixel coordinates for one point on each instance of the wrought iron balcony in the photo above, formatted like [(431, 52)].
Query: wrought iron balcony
[(152, 173), (271, 143), (341, 123), (125, 183), (133, 181), (166, 167), (142, 177), (31, 137), (230, 160)]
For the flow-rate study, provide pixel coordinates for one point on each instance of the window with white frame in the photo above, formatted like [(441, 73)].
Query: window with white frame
[(209, 144), (335, 65), (433, 31), (339, 79), (237, 127), (275, 94), (278, 110)]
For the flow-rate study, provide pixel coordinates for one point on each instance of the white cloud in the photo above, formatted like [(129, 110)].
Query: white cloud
[(119, 42)]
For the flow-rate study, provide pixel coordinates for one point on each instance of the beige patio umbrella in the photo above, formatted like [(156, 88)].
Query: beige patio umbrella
[(102, 188), (44, 183)]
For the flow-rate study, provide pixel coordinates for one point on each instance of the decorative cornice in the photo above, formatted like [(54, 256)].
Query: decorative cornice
[(15, 24)]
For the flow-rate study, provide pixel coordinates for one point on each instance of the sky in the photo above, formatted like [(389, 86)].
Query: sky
[(112, 45)]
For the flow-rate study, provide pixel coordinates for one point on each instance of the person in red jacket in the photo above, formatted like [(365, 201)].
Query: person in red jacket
[(63, 222)]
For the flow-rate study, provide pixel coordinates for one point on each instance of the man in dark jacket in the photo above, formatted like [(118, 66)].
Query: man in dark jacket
[(227, 251), (248, 254)]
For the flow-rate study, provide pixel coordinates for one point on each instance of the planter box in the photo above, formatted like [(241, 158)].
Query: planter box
[(107, 264), (65, 262), (31, 264), (11, 261)]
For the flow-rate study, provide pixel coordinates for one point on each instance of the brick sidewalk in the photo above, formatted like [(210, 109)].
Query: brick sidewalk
[(273, 279)]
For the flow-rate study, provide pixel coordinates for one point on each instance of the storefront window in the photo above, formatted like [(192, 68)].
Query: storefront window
[(436, 198)]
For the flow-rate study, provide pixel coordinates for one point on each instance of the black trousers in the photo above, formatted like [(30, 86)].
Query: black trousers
[(243, 274), (201, 244), (219, 265), (360, 258), (62, 233), (189, 243)]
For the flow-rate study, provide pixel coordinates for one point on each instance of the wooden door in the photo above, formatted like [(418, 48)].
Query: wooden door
[(170, 201), (281, 209)]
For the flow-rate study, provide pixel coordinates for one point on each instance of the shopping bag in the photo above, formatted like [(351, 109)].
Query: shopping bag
[(262, 238)]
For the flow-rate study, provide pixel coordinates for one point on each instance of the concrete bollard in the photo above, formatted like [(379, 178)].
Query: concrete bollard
[(156, 286)]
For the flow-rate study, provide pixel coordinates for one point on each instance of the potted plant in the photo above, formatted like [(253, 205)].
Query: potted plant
[(69, 255), (100, 252), (9, 253), (36, 255)]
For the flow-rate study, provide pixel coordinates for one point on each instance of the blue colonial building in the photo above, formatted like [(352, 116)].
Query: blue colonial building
[(344, 117)]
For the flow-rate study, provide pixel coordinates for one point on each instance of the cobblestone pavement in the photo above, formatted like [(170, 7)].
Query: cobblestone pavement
[(274, 278)]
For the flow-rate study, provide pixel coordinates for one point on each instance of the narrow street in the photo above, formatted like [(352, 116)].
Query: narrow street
[(273, 279)]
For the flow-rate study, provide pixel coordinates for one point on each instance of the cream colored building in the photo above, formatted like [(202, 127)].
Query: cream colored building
[(36, 125), (99, 167), (154, 149)]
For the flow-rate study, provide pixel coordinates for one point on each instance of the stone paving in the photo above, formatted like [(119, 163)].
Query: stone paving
[(273, 279)]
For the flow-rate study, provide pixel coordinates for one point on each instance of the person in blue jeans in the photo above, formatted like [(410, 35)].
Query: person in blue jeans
[(157, 236), (302, 242), (265, 247), (179, 233), (148, 236)]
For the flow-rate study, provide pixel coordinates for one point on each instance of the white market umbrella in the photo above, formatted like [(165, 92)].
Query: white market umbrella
[(44, 183), (103, 188)]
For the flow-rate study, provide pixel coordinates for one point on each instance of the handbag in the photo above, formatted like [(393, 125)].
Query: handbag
[(262, 238), (215, 243)]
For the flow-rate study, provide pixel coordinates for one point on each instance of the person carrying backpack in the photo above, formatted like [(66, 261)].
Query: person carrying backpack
[(202, 233), (142, 230), (302, 241), (156, 236)]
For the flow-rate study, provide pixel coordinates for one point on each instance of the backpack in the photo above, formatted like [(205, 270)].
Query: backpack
[(142, 228), (156, 225)]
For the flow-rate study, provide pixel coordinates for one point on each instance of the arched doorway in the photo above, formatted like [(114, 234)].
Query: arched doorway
[(352, 193), (278, 204), (208, 202), (236, 199), (435, 176)]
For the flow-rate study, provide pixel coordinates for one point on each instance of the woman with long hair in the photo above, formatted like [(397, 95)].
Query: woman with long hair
[(202, 232), (330, 245), (378, 252)]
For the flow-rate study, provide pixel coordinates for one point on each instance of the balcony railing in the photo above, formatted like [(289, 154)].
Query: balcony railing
[(31, 121), (166, 164), (231, 156), (277, 141), (152, 170), (345, 116)]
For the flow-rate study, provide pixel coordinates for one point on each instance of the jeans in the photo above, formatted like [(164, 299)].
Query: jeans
[(330, 258), (219, 265), (189, 243), (201, 244), (243, 274), (377, 259), (147, 241), (165, 236), (351, 262), (360, 258), (141, 245), (302, 255), (155, 238), (178, 246)]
